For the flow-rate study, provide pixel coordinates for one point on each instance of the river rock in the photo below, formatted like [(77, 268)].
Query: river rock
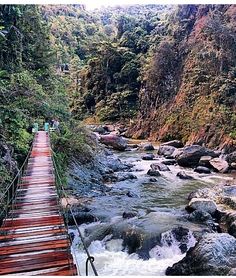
[(191, 155), (231, 157), (133, 146), (127, 215), (233, 165), (125, 176), (169, 162), (159, 167), (153, 180), (229, 190), (109, 128), (153, 173), (199, 216), (131, 194), (173, 143), (97, 232), (232, 272), (202, 170), (182, 175), (229, 201), (147, 147), (148, 156), (116, 142), (82, 216), (132, 240), (206, 193), (166, 150), (232, 229), (114, 163), (214, 254), (202, 204), (219, 164), (205, 161), (99, 129)]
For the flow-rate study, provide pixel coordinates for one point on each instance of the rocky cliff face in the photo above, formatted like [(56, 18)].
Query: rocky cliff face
[(8, 165), (189, 89)]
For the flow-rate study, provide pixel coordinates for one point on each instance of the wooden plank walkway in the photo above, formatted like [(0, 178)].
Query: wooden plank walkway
[(33, 239)]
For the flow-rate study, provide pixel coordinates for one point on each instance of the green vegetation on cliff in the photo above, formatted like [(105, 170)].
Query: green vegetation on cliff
[(190, 79)]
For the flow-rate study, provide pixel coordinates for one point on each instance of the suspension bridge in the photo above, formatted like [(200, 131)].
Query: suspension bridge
[(34, 238)]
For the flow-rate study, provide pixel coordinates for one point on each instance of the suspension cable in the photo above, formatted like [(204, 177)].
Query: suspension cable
[(90, 258)]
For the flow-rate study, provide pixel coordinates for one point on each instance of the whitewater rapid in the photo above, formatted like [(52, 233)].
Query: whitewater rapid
[(110, 260)]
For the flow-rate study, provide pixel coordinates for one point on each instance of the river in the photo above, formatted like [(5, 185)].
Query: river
[(159, 207)]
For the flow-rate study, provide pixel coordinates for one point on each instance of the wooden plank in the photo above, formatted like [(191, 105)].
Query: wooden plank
[(28, 234), (31, 240), (39, 246), (65, 272), (31, 259), (33, 229), (38, 266), (48, 271)]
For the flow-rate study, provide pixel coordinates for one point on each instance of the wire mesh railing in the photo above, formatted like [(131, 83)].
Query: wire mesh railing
[(7, 198), (69, 209)]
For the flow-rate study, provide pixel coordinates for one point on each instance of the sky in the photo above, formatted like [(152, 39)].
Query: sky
[(91, 4)]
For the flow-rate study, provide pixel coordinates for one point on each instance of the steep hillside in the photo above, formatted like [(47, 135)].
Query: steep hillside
[(188, 85), (103, 51)]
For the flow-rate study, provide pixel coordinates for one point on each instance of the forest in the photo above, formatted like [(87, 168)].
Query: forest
[(153, 73)]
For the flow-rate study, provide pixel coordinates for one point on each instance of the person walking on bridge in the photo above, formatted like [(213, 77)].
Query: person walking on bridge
[(35, 127), (46, 126)]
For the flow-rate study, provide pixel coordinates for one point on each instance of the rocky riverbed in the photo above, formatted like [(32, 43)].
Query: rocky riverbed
[(155, 206)]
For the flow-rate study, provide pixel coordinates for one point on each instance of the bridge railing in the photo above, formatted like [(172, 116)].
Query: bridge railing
[(8, 197), (69, 209)]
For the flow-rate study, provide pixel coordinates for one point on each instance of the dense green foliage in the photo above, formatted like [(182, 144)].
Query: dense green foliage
[(29, 87), (105, 51)]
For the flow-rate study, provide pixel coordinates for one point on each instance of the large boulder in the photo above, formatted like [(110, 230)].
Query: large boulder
[(199, 216), (82, 215), (173, 143), (159, 167), (166, 150), (214, 254), (191, 155), (116, 142), (202, 204), (219, 164)]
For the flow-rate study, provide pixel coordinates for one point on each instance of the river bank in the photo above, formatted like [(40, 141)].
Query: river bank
[(130, 218)]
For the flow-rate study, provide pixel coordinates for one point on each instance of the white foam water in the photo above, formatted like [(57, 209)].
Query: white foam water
[(111, 261)]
